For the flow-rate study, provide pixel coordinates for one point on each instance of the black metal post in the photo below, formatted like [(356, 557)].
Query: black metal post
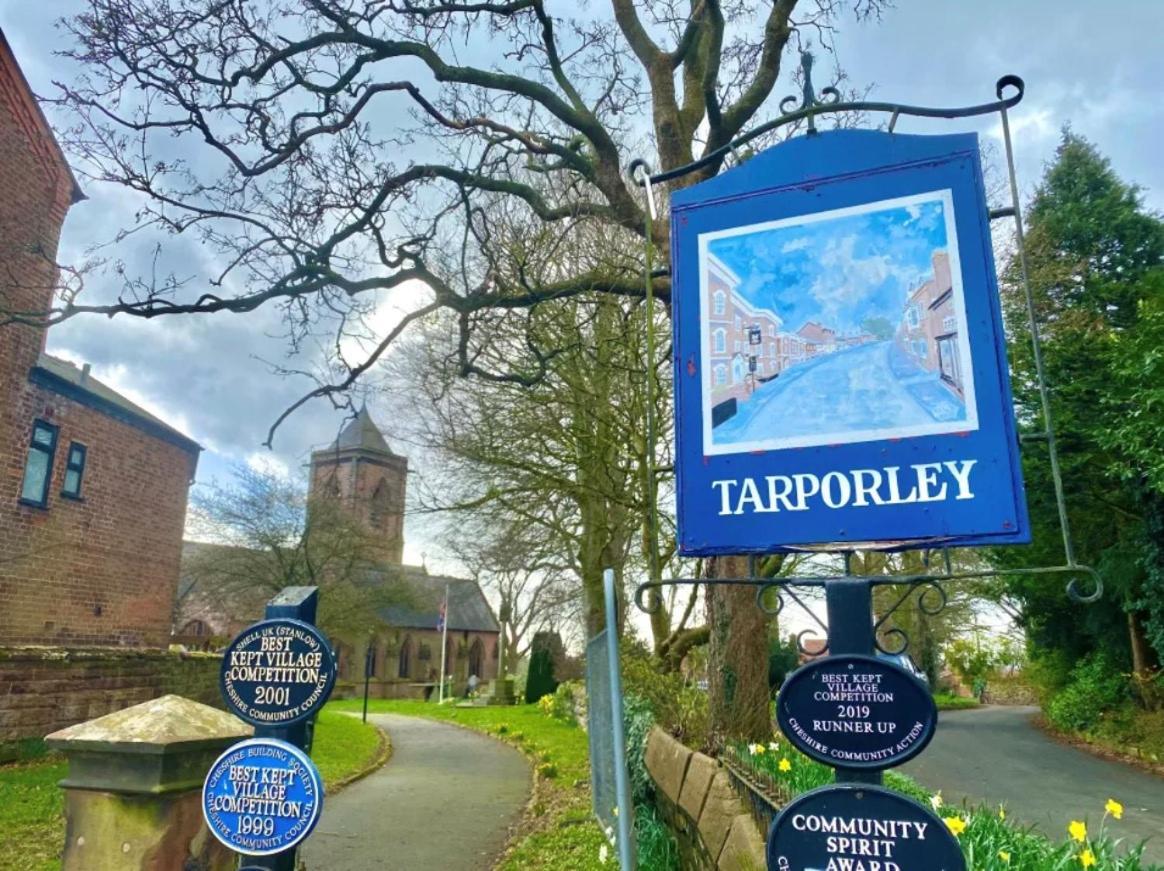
[(369, 668), (295, 603), (850, 611)]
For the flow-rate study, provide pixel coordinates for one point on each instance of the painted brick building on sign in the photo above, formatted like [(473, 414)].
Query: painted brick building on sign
[(929, 326), (92, 487)]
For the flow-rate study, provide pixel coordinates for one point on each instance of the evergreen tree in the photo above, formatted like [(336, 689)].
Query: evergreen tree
[(1094, 255)]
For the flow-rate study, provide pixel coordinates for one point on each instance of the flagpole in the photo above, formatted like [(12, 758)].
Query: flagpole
[(444, 644)]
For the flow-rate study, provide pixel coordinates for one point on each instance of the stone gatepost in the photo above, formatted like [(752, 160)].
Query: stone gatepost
[(133, 791)]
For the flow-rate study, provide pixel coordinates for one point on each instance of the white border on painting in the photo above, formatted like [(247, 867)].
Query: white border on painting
[(945, 196)]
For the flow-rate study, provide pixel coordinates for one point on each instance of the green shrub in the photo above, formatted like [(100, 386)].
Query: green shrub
[(540, 680), (561, 704), (783, 657), (1095, 687), (678, 707)]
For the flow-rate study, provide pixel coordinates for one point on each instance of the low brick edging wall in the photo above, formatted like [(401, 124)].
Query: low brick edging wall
[(43, 689), (696, 798)]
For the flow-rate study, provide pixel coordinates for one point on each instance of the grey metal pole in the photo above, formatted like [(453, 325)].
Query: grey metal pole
[(626, 843)]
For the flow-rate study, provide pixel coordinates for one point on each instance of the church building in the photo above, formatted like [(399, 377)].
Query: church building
[(360, 472)]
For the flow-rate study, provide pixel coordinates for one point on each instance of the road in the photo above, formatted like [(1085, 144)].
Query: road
[(445, 800), (996, 755), (868, 387)]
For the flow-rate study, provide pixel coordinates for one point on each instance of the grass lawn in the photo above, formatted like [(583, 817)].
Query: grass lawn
[(560, 830), (953, 703), (32, 823)]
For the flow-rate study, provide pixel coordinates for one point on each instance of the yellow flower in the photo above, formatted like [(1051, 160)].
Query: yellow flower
[(1004, 856), (1077, 830), (1114, 808), (785, 765), (1002, 813), (1087, 858), (756, 749), (936, 800), (956, 825)]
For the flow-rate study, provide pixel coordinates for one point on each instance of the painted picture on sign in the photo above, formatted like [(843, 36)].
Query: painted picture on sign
[(836, 327)]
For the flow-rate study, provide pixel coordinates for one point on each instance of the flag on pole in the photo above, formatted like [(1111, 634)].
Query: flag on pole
[(442, 613)]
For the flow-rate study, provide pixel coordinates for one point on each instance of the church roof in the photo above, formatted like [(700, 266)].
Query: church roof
[(468, 609), (361, 434)]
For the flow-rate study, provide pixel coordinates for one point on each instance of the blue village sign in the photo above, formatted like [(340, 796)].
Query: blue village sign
[(840, 366), (262, 796), (277, 672)]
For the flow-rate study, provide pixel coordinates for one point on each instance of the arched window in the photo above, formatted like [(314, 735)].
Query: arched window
[(719, 306), (477, 658), (380, 509), (721, 374), (404, 668), (719, 341)]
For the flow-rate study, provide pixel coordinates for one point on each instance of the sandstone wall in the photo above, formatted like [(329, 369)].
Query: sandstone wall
[(696, 798), (43, 689)]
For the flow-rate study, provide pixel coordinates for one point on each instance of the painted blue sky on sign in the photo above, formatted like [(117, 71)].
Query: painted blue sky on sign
[(839, 271)]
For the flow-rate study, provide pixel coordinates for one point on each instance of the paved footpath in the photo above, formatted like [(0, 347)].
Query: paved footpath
[(997, 755), (444, 802)]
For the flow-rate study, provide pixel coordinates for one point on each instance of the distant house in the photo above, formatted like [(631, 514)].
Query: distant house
[(818, 339), (928, 330), (368, 480), (93, 487)]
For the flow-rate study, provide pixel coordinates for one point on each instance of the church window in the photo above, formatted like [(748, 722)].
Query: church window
[(379, 511), (424, 654), (38, 468), (404, 666), (74, 471)]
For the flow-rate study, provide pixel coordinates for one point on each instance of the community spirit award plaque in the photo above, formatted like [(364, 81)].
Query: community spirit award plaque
[(860, 828), (262, 796), (277, 672), (856, 711)]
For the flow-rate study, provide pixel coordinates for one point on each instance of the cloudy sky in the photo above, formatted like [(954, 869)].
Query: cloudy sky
[(838, 270), (1094, 66)]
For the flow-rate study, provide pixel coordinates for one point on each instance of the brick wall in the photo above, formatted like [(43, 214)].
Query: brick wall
[(43, 689), (102, 570)]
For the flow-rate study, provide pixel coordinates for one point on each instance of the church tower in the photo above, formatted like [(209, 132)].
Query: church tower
[(361, 471)]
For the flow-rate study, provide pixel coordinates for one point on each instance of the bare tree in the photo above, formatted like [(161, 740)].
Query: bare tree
[(262, 533), (347, 148)]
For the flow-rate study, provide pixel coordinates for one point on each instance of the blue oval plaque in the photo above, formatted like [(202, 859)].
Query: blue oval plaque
[(856, 712), (262, 796), (277, 672), (862, 828)]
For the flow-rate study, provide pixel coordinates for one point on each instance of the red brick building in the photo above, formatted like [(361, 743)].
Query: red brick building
[(929, 326), (92, 488)]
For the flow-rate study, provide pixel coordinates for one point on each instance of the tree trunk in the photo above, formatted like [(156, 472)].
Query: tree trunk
[(1144, 659), (737, 661)]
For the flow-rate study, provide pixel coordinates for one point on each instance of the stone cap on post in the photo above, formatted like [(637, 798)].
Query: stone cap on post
[(160, 746)]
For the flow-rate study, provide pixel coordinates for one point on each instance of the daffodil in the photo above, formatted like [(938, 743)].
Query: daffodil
[(936, 800), (956, 825), (1004, 856), (1077, 830), (1114, 808), (773, 746), (603, 854), (1087, 858), (1002, 813), (756, 749), (785, 765)]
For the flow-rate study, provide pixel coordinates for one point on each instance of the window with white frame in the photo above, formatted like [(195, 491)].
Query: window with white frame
[(719, 302), (720, 374), (949, 323), (912, 317), (719, 341)]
